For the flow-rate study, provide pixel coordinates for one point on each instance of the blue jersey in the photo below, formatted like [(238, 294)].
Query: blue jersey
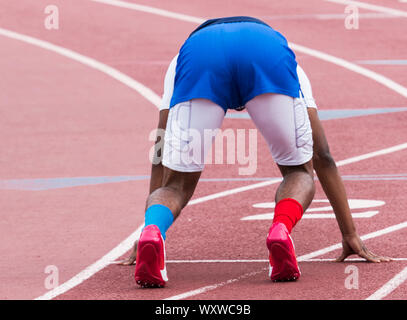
[(232, 60)]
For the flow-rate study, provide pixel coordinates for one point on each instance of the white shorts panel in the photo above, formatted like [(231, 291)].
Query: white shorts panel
[(283, 121), (188, 137)]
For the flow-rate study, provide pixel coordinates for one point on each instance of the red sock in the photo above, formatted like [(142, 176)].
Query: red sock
[(289, 212)]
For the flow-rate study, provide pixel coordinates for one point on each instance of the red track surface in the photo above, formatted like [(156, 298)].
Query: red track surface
[(64, 119)]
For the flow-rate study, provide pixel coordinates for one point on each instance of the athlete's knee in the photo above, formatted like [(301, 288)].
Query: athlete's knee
[(305, 169)]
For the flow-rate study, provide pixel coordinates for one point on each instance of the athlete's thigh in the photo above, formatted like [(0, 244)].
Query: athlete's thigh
[(190, 130), (283, 121)]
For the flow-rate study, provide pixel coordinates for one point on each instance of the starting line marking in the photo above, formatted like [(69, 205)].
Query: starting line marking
[(259, 260), (305, 257), (266, 261)]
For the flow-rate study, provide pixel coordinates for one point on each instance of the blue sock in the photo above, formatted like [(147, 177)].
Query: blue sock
[(160, 216)]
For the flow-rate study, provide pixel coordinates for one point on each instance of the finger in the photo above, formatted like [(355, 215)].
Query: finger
[(132, 259), (368, 257), (126, 262), (129, 262), (380, 258), (342, 257), (383, 258)]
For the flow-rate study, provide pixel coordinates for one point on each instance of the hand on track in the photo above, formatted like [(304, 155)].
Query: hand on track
[(132, 258), (352, 244)]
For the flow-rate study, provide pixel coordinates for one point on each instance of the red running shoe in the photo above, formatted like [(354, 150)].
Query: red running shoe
[(150, 262), (283, 263)]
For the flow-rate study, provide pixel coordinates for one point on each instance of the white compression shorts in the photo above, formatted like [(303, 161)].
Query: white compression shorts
[(192, 125)]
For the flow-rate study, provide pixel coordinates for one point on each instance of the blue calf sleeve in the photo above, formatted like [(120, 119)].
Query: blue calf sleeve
[(160, 216)]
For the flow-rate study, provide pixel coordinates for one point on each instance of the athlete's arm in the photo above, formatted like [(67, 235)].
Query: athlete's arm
[(157, 168), (334, 189), (332, 183)]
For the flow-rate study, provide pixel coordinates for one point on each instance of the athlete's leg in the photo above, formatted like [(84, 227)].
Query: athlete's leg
[(284, 123), (186, 144), (176, 190), (298, 184), (188, 139)]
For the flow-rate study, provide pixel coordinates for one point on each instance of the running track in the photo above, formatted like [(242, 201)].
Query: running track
[(77, 107)]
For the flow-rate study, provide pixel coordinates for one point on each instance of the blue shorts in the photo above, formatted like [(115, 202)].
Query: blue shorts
[(231, 63)]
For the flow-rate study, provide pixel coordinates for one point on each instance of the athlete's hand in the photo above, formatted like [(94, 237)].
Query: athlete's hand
[(132, 258), (352, 244)]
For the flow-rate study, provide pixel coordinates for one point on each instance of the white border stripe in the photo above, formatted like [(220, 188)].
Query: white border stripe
[(234, 191), (148, 9), (390, 286), (112, 72), (372, 154), (372, 7), (85, 274), (352, 67)]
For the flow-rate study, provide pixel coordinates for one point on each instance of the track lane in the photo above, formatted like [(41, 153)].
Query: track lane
[(162, 67)]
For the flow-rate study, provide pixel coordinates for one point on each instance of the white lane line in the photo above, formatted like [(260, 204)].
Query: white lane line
[(265, 260), (92, 63), (255, 260), (390, 286), (302, 258), (372, 154), (330, 16), (372, 7), (155, 100), (234, 191), (274, 181), (85, 274), (218, 261), (148, 9), (127, 244), (368, 236), (349, 260), (147, 93), (392, 85), (214, 286)]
